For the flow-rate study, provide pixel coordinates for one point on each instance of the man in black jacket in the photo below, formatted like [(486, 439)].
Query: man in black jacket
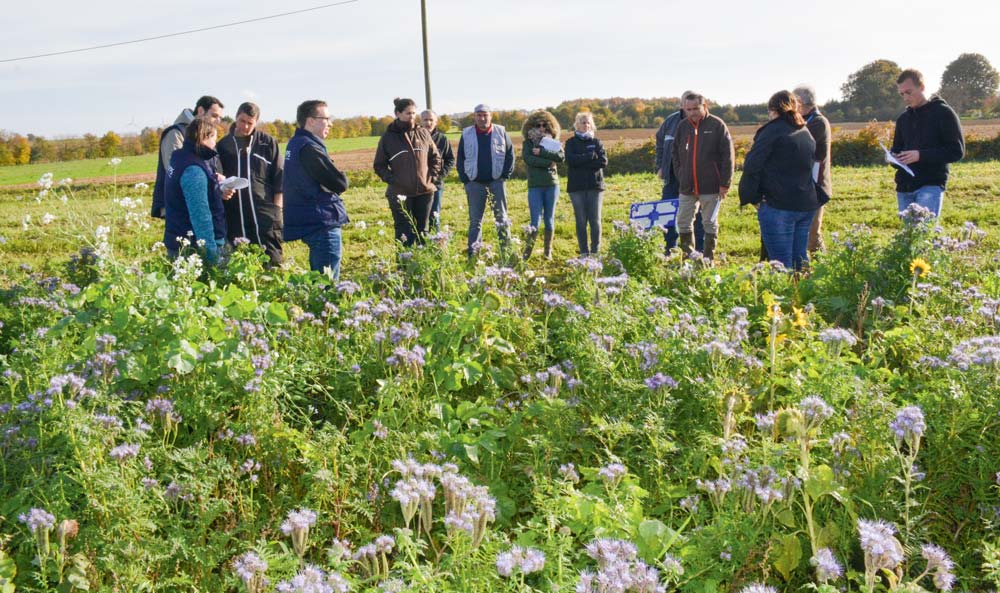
[(819, 128), (430, 121), (928, 137), (254, 213)]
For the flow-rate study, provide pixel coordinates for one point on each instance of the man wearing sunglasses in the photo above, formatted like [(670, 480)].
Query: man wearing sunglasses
[(314, 211)]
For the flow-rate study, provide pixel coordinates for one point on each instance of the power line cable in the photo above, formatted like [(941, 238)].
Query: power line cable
[(177, 34)]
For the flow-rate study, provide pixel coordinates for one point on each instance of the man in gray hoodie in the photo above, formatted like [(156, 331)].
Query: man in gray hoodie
[(172, 138)]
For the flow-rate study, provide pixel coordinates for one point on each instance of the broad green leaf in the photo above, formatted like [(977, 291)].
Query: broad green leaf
[(276, 313), (821, 482), (789, 553)]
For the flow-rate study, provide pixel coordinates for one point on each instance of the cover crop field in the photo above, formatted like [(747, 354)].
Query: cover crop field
[(634, 423)]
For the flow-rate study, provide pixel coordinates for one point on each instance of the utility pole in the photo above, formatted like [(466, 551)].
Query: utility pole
[(427, 67)]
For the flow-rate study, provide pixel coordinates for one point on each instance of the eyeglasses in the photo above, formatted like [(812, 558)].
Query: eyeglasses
[(320, 118)]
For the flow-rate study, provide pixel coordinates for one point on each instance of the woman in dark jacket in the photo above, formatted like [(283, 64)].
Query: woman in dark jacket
[(409, 162), (777, 180), (194, 211), (540, 129), (587, 160)]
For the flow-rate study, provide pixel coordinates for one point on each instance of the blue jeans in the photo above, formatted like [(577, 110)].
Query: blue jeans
[(477, 193), (543, 199), (928, 196), (324, 250), (671, 192), (786, 235), (436, 209)]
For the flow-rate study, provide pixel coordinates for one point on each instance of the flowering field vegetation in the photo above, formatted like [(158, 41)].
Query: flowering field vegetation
[(644, 424)]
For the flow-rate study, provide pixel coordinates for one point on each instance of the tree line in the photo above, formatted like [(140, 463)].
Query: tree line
[(969, 84)]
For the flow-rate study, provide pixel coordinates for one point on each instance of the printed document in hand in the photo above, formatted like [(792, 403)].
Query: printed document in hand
[(550, 145), (891, 159), (234, 183)]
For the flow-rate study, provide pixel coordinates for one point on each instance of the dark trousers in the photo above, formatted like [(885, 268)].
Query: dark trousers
[(587, 210), (257, 220), (672, 192), (405, 213)]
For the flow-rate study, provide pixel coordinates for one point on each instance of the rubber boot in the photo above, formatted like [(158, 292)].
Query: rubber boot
[(548, 243), (529, 244), (687, 242), (710, 246)]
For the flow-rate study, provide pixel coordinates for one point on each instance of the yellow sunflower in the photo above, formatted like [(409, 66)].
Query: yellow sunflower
[(919, 267)]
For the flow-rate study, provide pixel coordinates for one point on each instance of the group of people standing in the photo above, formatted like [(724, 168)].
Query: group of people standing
[(413, 160), (297, 196)]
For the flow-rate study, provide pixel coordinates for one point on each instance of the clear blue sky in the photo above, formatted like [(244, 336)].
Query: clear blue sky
[(511, 54)]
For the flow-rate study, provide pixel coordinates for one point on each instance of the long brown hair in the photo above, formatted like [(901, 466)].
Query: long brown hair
[(786, 105)]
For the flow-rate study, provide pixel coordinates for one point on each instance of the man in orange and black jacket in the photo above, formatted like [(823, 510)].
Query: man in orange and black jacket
[(703, 162)]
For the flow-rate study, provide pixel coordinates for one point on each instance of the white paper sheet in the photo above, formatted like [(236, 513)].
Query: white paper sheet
[(550, 145), (891, 159)]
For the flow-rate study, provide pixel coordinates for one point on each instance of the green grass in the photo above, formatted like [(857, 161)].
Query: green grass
[(135, 165), (862, 196)]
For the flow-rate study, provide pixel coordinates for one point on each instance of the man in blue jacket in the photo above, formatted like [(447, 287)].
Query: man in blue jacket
[(928, 137), (314, 211), (485, 163)]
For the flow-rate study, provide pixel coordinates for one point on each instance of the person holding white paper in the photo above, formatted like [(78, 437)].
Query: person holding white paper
[(541, 151), (819, 128), (777, 180), (928, 137), (252, 156)]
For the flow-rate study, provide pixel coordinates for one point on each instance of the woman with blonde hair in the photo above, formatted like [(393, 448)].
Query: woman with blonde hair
[(541, 151), (777, 180), (587, 159)]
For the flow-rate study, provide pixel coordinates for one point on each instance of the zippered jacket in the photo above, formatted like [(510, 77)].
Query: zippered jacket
[(778, 169), (586, 160), (703, 156), (934, 130), (542, 170), (447, 155), (191, 213), (665, 145), (251, 212), (312, 186), (407, 160), (819, 128)]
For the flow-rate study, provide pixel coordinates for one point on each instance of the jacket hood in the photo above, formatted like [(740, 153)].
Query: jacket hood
[(400, 126), (186, 117), (545, 118), (932, 101)]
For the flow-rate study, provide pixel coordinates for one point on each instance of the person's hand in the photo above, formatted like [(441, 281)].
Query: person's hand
[(908, 157), (659, 173), (536, 151), (722, 192), (228, 193), (220, 177)]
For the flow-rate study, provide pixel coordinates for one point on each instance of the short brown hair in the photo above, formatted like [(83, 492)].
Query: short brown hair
[(915, 75), (200, 129), (696, 97), (205, 102), (250, 109), (306, 110)]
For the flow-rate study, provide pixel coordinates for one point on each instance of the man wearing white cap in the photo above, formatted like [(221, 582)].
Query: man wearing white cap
[(485, 163)]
